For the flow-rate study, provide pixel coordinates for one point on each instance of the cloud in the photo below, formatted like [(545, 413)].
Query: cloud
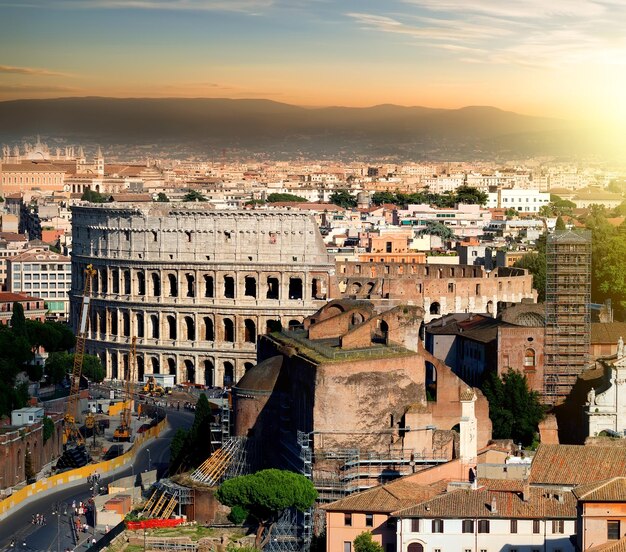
[(26, 88), (251, 7), (30, 71)]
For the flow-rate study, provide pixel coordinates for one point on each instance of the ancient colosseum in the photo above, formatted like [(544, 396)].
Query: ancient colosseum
[(194, 285)]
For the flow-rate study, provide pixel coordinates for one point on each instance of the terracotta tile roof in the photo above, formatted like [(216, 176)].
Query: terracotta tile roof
[(40, 256), (125, 198), (611, 490), (386, 498), (610, 546), (8, 297), (576, 464), (30, 167), (508, 485), (468, 503), (13, 236), (607, 332)]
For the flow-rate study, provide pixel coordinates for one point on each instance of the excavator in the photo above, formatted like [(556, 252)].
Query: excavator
[(71, 432), (153, 388), (123, 431)]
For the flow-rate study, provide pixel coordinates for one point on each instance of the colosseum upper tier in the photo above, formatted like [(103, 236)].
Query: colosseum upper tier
[(193, 285)]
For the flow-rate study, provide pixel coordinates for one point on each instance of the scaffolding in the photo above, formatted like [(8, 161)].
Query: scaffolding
[(568, 318), (166, 495), (226, 462)]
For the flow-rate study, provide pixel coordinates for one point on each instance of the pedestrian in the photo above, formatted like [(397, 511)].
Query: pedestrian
[(106, 528), (93, 541), (74, 504)]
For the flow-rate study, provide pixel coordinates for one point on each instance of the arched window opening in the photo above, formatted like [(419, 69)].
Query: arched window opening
[(115, 280), (248, 366), (190, 329), (171, 366), (208, 286), (250, 286), (229, 330), (190, 371), (127, 282), (209, 332), (156, 285), (272, 288), (273, 326), (229, 287), (113, 322), (141, 283), (171, 323), (155, 365), (173, 291), (140, 369), (435, 308), (529, 359), (103, 281), (295, 288), (295, 325), (154, 326), (139, 332), (229, 374), (191, 285), (250, 331), (209, 374), (431, 382), (114, 367)]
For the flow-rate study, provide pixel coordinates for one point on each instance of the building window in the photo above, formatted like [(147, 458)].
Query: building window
[(529, 358), (536, 526), (437, 526), (468, 525), (483, 526), (558, 526), (369, 520), (612, 530), (415, 525), (513, 526), (347, 520), (347, 546)]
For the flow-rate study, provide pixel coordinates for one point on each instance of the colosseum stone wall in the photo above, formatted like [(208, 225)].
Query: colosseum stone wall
[(194, 285)]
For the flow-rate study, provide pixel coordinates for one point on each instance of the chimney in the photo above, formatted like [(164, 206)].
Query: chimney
[(526, 492), (494, 506)]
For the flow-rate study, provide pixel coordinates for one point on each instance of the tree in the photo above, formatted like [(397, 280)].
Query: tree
[(510, 213), (162, 198), (434, 228), (364, 543), (378, 198), (265, 495), (468, 194), (94, 197), (560, 225), (18, 320), (514, 409), (279, 198), (343, 198), (194, 195), (57, 366), (48, 428), (560, 206), (92, 368), (177, 450)]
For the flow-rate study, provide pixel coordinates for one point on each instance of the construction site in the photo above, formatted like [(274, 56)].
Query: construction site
[(568, 318)]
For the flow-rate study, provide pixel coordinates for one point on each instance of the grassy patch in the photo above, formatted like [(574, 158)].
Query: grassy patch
[(194, 533)]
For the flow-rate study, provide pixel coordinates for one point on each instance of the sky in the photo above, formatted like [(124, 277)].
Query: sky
[(556, 58)]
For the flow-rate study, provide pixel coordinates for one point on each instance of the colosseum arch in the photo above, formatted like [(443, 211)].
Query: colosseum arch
[(156, 369), (191, 285), (249, 331), (141, 283), (171, 324), (156, 284), (190, 328), (127, 283), (140, 368), (209, 330), (295, 288), (229, 330), (171, 366), (229, 374), (115, 281), (229, 287), (190, 371), (250, 286), (154, 326), (139, 324), (209, 373), (208, 286), (114, 366), (173, 285)]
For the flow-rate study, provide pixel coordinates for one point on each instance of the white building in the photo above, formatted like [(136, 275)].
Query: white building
[(496, 516), (43, 274), (524, 201)]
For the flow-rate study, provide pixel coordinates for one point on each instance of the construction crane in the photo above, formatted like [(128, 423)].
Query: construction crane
[(123, 431), (71, 432)]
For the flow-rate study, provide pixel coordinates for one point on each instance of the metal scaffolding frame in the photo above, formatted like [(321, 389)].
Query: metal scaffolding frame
[(226, 462), (568, 318)]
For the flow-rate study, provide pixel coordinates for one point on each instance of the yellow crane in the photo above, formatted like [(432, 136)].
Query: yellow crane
[(123, 431), (71, 432)]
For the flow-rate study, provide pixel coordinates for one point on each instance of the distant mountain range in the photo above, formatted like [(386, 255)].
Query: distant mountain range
[(279, 129)]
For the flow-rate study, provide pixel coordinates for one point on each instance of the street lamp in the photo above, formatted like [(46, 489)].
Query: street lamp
[(149, 460)]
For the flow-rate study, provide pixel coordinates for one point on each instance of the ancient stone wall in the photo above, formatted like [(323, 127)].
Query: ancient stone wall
[(195, 286), (439, 289)]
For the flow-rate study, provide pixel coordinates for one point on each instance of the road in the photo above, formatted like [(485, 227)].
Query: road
[(56, 533)]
